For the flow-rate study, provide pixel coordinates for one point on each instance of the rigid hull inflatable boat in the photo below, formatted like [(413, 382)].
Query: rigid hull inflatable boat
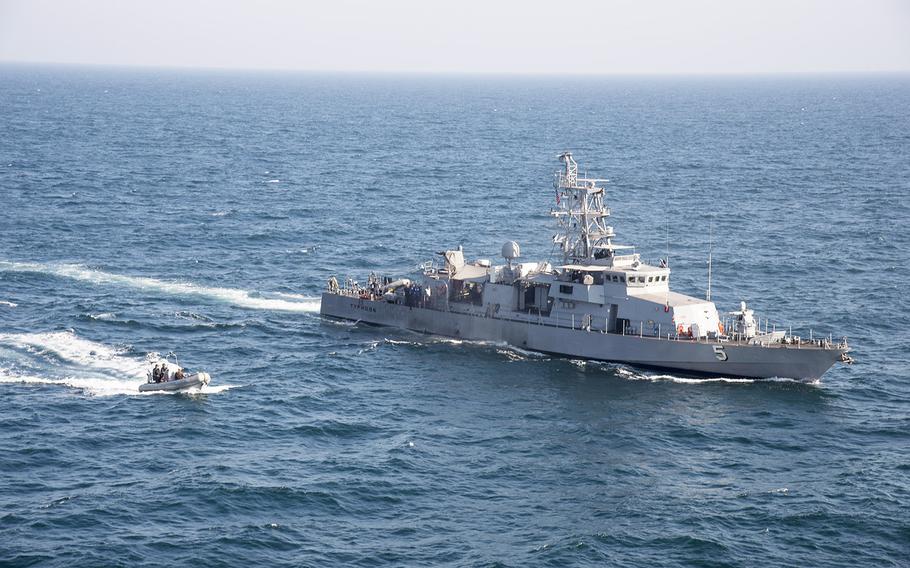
[(168, 377)]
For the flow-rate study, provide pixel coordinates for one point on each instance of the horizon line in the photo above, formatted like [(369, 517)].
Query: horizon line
[(454, 73)]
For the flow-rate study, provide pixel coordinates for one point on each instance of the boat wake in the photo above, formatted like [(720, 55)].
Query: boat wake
[(63, 358), (633, 374), (503, 349), (637, 375), (214, 389), (239, 298)]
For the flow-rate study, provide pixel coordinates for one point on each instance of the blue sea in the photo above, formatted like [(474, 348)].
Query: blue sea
[(148, 211)]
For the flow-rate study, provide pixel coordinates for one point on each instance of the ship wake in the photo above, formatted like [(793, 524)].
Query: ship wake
[(501, 348), (239, 298), (634, 374)]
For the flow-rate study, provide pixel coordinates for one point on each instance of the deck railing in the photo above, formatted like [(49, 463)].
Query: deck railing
[(765, 335)]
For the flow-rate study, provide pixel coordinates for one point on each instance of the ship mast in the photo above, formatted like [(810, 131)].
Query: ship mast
[(581, 216)]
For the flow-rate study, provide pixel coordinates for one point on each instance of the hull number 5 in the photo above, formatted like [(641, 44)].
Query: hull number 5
[(719, 353)]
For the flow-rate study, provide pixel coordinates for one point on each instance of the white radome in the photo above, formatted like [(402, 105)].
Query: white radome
[(511, 250)]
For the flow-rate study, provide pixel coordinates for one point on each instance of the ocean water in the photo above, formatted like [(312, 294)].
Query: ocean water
[(200, 212)]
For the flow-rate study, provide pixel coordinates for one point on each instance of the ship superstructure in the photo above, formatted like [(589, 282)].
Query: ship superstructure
[(602, 302)]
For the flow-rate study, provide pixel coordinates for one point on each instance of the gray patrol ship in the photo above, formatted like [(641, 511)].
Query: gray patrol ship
[(602, 303)]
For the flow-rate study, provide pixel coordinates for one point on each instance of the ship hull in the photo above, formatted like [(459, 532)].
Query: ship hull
[(711, 358)]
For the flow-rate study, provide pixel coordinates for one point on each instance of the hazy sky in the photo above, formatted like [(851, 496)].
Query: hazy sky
[(584, 36)]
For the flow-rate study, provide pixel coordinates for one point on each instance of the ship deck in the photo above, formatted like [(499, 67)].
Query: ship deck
[(596, 325)]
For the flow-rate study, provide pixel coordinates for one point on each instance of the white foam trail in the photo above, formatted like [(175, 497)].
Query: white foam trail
[(209, 389), (104, 386), (454, 341), (97, 386), (8, 303), (438, 340), (304, 250), (87, 365), (239, 298), (511, 355), (79, 363), (398, 342), (370, 347), (290, 296), (106, 316), (696, 381), (639, 376), (72, 349), (636, 375), (526, 354), (508, 350)]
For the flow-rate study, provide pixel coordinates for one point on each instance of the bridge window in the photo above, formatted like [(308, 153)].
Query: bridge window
[(565, 289)]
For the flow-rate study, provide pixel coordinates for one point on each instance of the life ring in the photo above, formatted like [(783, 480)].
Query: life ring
[(680, 330)]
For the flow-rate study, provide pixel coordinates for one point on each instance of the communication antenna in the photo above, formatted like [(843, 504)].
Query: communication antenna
[(668, 259), (710, 249)]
